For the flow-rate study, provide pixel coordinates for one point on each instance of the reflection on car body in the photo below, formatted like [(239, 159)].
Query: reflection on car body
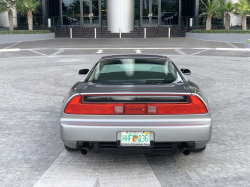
[(135, 102)]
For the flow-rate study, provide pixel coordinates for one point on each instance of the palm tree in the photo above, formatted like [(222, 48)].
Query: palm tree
[(7, 5), (212, 8), (28, 7), (228, 7), (242, 8)]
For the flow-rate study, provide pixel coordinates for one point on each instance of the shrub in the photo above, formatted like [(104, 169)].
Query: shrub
[(25, 32), (248, 41), (221, 31)]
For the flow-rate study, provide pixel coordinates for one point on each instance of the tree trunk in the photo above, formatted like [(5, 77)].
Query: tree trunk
[(244, 22), (30, 21), (227, 24), (10, 16), (208, 22)]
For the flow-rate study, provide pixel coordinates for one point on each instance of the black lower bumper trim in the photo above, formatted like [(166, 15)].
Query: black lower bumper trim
[(163, 146)]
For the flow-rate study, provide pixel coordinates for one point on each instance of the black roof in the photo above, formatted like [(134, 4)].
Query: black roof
[(133, 56)]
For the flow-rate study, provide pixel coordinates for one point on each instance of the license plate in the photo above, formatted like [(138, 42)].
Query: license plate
[(135, 138)]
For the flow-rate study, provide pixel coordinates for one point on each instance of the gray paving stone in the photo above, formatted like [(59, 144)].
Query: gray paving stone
[(33, 154)]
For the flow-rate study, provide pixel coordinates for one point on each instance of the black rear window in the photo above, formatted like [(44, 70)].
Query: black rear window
[(137, 71)]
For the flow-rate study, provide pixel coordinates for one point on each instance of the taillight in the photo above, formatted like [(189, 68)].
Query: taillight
[(195, 106), (75, 106)]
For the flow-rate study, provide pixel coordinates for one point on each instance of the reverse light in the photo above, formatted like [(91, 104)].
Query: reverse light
[(118, 109), (152, 109)]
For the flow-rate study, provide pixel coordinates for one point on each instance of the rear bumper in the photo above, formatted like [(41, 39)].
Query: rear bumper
[(185, 128)]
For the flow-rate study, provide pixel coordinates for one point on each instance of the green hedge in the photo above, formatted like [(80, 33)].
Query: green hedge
[(25, 32), (221, 31)]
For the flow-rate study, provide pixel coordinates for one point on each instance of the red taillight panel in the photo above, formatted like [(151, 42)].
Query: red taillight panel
[(73, 106), (76, 107), (195, 106)]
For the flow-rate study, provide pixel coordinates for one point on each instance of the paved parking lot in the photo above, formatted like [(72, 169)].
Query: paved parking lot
[(32, 153)]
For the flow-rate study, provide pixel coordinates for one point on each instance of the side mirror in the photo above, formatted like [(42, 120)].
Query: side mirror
[(83, 71), (186, 71)]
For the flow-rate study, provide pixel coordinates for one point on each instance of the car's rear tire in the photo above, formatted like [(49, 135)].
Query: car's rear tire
[(71, 149), (199, 149)]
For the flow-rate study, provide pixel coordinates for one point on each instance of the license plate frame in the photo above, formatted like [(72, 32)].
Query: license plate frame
[(135, 138)]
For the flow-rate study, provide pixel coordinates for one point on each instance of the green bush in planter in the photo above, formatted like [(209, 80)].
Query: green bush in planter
[(248, 41)]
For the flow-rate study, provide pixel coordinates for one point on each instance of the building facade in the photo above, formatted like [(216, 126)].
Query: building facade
[(116, 15), (120, 14)]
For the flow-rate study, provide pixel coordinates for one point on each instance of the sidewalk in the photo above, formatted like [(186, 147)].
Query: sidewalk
[(121, 43)]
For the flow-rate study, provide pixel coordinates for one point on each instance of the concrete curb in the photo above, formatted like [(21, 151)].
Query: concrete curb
[(219, 37), (13, 38)]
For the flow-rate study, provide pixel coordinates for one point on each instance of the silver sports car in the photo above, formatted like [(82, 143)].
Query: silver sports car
[(135, 102)]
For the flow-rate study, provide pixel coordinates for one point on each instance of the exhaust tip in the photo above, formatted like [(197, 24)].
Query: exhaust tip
[(84, 151), (186, 151)]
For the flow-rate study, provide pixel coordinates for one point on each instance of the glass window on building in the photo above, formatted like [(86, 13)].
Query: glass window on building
[(137, 13), (95, 11), (71, 12), (86, 12), (91, 12), (155, 12), (169, 12), (145, 12), (104, 12)]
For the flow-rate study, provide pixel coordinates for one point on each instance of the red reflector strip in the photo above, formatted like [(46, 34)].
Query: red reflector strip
[(195, 106)]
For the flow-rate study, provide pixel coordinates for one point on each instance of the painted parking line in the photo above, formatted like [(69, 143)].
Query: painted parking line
[(12, 45), (37, 52), (199, 52), (233, 49), (57, 52), (180, 52), (137, 51), (99, 51), (9, 50)]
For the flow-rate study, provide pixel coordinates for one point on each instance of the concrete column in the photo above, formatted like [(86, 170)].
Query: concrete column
[(120, 14)]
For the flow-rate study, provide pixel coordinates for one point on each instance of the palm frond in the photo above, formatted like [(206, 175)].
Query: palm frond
[(25, 6), (242, 8)]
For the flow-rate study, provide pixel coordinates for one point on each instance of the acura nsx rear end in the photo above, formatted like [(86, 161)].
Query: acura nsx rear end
[(135, 102)]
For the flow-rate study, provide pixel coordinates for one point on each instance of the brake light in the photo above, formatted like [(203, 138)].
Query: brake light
[(76, 107), (195, 106)]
